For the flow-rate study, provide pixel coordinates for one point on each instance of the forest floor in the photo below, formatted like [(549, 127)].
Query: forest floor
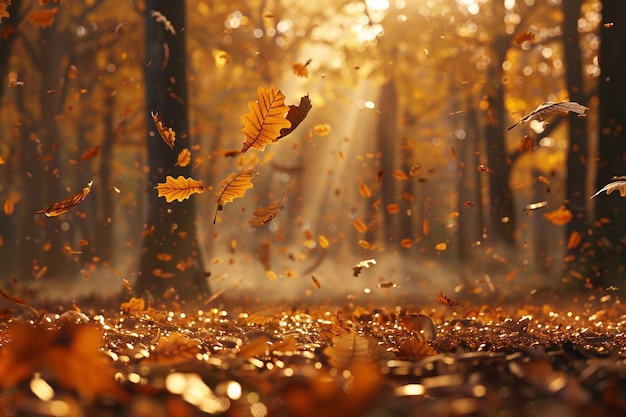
[(545, 355)]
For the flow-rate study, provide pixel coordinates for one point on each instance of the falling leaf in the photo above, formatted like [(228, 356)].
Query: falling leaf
[(526, 144), (316, 282), (301, 69), (414, 169), (550, 107), (266, 119), (559, 216), (2, 161), (356, 269), (441, 246), (360, 226), (393, 208), (234, 186), (127, 285), (8, 206), (399, 175), (166, 133), (72, 72), (387, 285), (619, 185), (13, 299), (406, 243), (90, 153), (184, 158), (445, 300), (574, 240), (160, 18), (64, 206), (3, 8), (264, 215), (484, 168), (180, 188), (13, 82), (524, 37), (323, 241), (426, 227), (42, 18), (322, 129), (535, 206), (296, 115)]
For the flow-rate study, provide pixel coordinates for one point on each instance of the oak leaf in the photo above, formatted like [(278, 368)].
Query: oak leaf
[(42, 18), (167, 134), (296, 115), (266, 119), (184, 158), (234, 186), (180, 188), (301, 69), (264, 215), (550, 107), (64, 206), (619, 185)]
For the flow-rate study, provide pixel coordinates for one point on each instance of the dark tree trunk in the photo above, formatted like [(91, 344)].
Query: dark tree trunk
[(170, 255), (610, 236), (577, 156)]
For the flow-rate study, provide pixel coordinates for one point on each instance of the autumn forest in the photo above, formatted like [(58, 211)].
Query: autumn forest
[(204, 180)]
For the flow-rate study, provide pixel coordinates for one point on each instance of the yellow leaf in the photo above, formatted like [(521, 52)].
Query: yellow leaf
[(61, 207), (180, 188), (264, 215), (166, 133), (263, 124), (184, 158), (322, 129), (234, 186)]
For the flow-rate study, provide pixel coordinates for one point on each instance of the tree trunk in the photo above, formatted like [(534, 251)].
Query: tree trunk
[(170, 255), (610, 234)]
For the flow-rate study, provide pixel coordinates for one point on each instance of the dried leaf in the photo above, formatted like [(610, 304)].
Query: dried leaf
[(316, 282), (43, 18), (445, 300), (234, 186), (522, 37), (266, 119), (64, 206), (559, 216), (550, 107), (184, 158), (90, 153), (356, 269), (160, 18), (180, 188), (133, 305), (175, 348), (347, 350), (296, 115), (264, 215), (526, 144), (166, 133), (400, 175), (484, 168), (8, 206), (260, 318), (614, 186), (574, 240), (412, 348), (301, 69)]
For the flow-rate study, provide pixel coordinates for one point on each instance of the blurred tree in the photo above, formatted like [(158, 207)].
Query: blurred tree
[(610, 211), (170, 255)]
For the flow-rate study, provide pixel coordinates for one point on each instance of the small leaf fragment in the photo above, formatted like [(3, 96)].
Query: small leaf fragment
[(166, 133)]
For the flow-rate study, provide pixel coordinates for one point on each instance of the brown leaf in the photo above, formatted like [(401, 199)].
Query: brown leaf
[(445, 300), (166, 133), (90, 153), (234, 186), (9, 297), (180, 188), (264, 215), (172, 349), (550, 107), (296, 115), (64, 206), (266, 119), (614, 186)]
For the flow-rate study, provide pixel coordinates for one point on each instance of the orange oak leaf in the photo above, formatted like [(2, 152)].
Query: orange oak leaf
[(266, 119), (296, 115), (166, 133), (64, 206), (180, 188), (559, 216), (264, 215), (301, 69), (184, 158), (619, 185), (3, 8), (42, 18), (234, 186)]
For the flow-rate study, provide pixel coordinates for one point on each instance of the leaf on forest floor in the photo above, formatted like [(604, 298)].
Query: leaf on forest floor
[(167, 134), (413, 348), (260, 318), (347, 350), (264, 215), (64, 206), (42, 18), (180, 188), (548, 108), (160, 18), (90, 153), (184, 158), (619, 185), (266, 119), (234, 186), (68, 354), (133, 305), (296, 115), (173, 348), (356, 269), (559, 216)]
